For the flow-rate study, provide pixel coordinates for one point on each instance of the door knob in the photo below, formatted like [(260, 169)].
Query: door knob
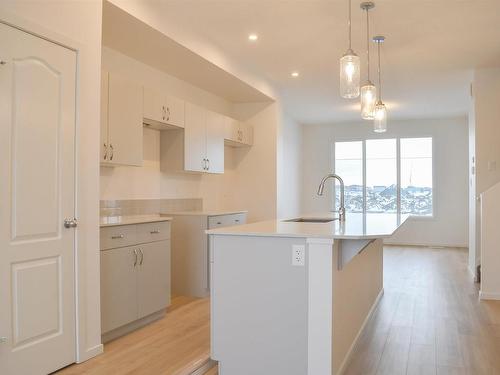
[(70, 223)]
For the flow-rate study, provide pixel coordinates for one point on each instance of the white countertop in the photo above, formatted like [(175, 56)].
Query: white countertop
[(109, 221), (205, 212), (356, 226)]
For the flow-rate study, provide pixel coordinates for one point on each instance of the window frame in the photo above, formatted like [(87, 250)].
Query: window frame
[(398, 170)]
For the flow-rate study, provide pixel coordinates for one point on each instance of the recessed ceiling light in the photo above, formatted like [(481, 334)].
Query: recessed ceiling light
[(294, 74), (253, 37)]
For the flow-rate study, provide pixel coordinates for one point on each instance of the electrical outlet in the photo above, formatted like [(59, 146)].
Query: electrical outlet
[(298, 255)]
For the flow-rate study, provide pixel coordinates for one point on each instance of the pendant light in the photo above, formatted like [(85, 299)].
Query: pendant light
[(368, 90), (380, 120), (349, 69)]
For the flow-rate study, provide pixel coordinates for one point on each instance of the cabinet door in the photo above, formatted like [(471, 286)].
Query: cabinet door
[(118, 288), (104, 117), (215, 142), (195, 139), (246, 134), (125, 121), (154, 106), (232, 128), (175, 111), (153, 281)]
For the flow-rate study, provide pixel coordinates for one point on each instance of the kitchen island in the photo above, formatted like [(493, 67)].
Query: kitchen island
[(290, 297)]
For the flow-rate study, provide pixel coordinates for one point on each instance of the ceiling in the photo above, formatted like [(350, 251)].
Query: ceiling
[(430, 51), (129, 35)]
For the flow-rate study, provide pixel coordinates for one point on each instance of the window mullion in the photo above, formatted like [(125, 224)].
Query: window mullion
[(398, 172), (364, 176)]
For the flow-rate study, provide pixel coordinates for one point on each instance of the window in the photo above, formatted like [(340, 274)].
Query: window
[(416, 176), (381, 176), (386, 175), (349, 165)]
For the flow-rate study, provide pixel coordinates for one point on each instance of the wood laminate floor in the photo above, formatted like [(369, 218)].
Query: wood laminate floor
[(175, 345), (429, 320)]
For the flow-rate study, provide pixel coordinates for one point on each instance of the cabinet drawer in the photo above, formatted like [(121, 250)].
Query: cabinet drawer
[(226, 220), (150, 232), (118, 236)]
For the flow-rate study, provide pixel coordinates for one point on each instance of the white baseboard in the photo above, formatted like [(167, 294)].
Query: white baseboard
[(91, 352), (350, 352), (204, 368), (489, 296), (447, 246)]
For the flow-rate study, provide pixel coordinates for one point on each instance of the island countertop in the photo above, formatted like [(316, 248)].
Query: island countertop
[(356, 226)]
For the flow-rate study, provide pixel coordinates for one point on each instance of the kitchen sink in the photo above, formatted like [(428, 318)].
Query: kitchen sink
[(310, 220)]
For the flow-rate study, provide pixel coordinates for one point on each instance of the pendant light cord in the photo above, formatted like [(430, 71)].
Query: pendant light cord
[(350, 32), (368, 42), (379, 79)]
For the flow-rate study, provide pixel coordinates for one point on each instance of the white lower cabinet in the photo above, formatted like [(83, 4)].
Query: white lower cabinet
[(135, 279), (118, 288), (153, 283), (190, 250)]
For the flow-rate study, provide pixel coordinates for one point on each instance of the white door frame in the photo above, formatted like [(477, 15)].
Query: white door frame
[(82, 351)]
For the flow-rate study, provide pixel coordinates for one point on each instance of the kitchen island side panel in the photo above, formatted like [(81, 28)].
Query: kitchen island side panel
[(356, 289), (259, 306)]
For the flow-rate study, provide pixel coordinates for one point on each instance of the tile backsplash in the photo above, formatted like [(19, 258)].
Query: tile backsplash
[(148, 206)]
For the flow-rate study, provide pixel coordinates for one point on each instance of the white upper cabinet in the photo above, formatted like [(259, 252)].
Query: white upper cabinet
[(195, 139), (237, 133), (162, 111), (199, 147), (215, 124), (121, 121)]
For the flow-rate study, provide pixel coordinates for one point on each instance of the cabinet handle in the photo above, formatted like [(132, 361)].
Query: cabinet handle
[(219, 223), (208, 164), (135, 257), (163, 112), (112, 151), (236, 220), (156, 231), (204, 164), (168, 113), (117, 236), (142, 257), (105, 151)]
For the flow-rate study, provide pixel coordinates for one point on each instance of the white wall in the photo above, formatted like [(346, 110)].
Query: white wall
[(486, 88), (289, 167), (449, 227), (78, 24), (255, 182), (484, 126)]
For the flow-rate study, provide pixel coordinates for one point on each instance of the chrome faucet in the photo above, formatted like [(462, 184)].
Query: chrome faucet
[(322, 187)]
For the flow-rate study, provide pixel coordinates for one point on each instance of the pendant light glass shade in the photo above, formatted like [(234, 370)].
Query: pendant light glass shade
[(380, 120), (368, 100), (349, 75), (368, 90)]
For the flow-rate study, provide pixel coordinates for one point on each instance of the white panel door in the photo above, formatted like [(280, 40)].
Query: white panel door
[(37, 192), (195, 139), (216, 128)]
